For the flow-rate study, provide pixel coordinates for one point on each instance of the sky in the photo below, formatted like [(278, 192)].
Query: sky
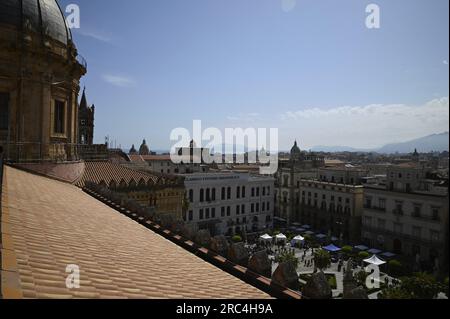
[(310, 68)]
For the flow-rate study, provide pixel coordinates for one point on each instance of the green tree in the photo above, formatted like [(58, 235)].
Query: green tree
[(322, 259), (287, 256), (395, 268), (418, 286), (347, 250), (394, 293), (363, 255), (421, 286), (361, 277), (236, 239)]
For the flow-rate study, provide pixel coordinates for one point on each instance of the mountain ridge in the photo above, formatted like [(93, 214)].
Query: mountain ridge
[(438, 142)]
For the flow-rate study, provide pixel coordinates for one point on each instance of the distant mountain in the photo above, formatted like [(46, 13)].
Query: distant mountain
[(333, 149), (435, 142)]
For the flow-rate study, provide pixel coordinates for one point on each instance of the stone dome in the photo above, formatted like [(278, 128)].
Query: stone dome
[(42, 17), (144, 149), (295, 149)]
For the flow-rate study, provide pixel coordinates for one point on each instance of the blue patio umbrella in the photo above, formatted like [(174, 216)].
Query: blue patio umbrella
[(374, 251), (332, 248)]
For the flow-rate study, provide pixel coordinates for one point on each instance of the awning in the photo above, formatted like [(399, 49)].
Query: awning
[(374, 251), (374, 260), (266, 237), (362, 247), (332, 248), (388, 254), (298, 239)]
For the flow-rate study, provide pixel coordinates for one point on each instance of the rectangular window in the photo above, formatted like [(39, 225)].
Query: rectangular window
[(222, 212), (191, 215), (435, 236), (382, 203), (59, 117), (238, 209), (252, 208), (4, 111), (243, 209), (417, 232), (201, 214), (228, 211), (213, 213)]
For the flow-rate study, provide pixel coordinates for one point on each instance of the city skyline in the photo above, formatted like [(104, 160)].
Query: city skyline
[(302, 67)]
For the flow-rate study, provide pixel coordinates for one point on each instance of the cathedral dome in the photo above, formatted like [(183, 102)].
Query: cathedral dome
[(144, 150), (41, 17), (295, 149)]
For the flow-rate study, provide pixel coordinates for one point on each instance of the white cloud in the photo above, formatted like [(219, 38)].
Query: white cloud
[(288, 5), (95, 35), (445, 62), (118, 80), (365, 126)]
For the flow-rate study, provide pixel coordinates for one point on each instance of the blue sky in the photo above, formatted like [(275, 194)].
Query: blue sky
[(309, 67)]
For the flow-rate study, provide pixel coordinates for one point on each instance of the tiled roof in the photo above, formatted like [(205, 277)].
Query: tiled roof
[(47, 225), (107, 172)]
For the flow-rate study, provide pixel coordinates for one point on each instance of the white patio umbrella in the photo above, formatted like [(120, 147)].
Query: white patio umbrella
[(266, 238), (374, 260), (280, 237), (298, 239)]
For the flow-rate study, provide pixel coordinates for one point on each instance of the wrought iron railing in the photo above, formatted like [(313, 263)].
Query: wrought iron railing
[(32, 152), (82, 61)]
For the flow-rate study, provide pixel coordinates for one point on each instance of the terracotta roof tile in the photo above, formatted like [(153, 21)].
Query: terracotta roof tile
[(107, 172), (53, 224)]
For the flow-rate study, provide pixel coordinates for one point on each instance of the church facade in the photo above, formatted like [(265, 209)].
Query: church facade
[(40, 71)]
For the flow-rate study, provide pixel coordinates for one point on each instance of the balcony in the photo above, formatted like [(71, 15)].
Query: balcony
[(431, 219)]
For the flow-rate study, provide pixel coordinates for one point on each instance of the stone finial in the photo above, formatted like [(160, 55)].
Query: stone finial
[(261, 264), (238, 254), (286, 275), (219, 244), (317, 287)]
